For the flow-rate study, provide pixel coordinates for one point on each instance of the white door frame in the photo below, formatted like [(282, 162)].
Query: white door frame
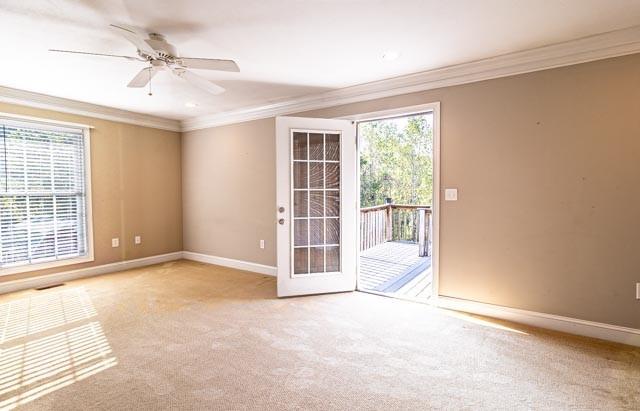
[(407, 111)]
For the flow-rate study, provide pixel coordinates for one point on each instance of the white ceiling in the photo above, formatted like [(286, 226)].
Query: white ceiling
[(285, 48)]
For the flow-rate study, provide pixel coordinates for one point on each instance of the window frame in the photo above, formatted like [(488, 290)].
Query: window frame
[(45, 124)]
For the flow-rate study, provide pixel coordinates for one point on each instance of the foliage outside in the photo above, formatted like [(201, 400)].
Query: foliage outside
[(396, 161)]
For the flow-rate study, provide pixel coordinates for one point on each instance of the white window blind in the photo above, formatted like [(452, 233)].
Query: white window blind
[(42, 193)]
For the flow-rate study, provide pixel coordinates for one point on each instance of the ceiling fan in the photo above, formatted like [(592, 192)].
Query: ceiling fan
[(154, 49)]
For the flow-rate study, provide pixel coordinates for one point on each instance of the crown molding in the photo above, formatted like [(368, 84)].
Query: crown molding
[(596, 47), (43, 101)]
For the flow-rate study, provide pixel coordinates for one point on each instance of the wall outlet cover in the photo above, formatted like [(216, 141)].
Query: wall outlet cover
[(137, 239), (451, 194), (115, 242)]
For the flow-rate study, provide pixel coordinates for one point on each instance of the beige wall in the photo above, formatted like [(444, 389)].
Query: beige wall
[(229, 190), (136, 189), (548, 170)]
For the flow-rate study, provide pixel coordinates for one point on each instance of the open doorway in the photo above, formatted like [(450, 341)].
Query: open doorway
[(397, 192)]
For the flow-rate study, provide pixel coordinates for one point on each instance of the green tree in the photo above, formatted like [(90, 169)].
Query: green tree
[(396, 161)]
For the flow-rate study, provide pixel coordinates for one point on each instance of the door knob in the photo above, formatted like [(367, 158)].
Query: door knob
[(281, 221)]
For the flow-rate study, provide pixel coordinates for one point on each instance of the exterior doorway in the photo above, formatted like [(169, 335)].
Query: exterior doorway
[(397, 156)]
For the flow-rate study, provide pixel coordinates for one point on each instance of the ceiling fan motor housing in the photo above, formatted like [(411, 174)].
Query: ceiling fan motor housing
[(166, 51)]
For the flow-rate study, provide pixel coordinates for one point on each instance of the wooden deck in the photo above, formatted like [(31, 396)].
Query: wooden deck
[(395, 268)]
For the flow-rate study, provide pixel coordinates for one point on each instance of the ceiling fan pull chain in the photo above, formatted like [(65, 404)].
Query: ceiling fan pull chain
[(149, 71)]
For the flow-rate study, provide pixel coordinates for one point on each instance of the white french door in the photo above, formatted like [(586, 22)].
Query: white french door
[(316, 205)]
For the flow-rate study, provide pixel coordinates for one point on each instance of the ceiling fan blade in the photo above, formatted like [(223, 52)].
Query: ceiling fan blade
[(209, 64), (143, 77), (135, 37), (96, 54), (197, 81)]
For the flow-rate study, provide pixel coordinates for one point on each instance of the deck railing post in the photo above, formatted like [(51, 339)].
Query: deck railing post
[(423, 237), (428, 233), (388, 226)]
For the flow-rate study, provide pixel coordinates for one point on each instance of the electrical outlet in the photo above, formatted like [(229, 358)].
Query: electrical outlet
[(262, 244), (115, 242), (137, 240), (637, 291)]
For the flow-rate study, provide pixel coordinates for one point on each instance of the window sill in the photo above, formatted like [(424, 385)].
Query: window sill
[(43, 266)]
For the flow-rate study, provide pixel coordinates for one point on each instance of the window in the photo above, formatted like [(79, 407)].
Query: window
[(43, 196), (316, 200)]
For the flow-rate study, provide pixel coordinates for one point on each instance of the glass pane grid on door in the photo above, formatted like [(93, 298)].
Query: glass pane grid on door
[(316, 202)]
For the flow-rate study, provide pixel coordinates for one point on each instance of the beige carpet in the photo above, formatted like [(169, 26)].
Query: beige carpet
[(185, 335)]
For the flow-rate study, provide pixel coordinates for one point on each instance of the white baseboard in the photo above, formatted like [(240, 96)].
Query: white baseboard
[(615, 333), (51, 279), (569, 325), (231, 263)]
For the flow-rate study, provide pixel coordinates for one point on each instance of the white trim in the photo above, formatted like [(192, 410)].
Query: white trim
[(88, 196), (408, 111), (25, 268), (63, 105), (585, 328), (596, 47), (231, 263), (436, 208), (51, 279), (615, 333), (394, 112), (43, 121)]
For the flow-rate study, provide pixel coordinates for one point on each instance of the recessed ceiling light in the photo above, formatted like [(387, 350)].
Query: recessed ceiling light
[(390, 55), (190, 105)]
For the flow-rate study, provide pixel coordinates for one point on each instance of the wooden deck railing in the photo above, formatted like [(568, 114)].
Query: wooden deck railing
[(394, 222)]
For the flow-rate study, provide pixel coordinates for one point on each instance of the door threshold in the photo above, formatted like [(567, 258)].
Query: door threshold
[(398, 297)]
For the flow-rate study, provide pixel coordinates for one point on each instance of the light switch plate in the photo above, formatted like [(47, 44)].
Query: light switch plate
[(450, 194), (115, 242), (262, 244), (637, 291), (137, 240)]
